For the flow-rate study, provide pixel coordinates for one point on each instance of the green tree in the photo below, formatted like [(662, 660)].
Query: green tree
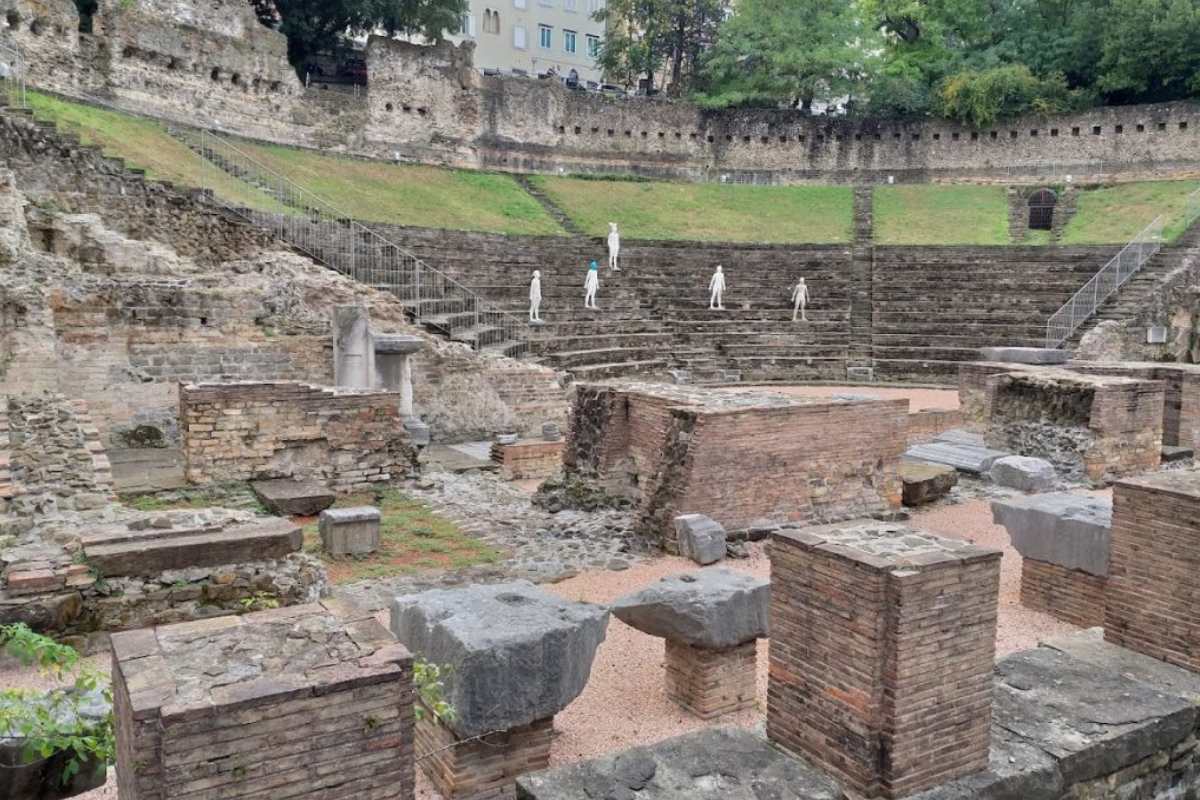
[(1149, 50), (313, 26), (980, 97), (649, 38), (792, 52)]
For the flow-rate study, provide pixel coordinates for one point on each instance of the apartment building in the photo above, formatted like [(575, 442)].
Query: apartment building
[(536, 36)]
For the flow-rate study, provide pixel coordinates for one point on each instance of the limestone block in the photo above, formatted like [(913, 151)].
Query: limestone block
[(122, 550), (1025, 355), (350, 531), (517, 654), (968, 458), (289, 498), (1023, 473), (713, 608), (1070, 529), (700, 538), (925, 483)]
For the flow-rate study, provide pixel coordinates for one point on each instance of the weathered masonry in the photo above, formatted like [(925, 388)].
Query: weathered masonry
[(737, 458)]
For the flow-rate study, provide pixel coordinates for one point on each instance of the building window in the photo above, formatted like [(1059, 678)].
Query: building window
[(518, 3), (545, 36), (468, 25), (594, 5), (519, 37), (593, 45), (491, 21), (569, 5), (546, 3), (569, 41)]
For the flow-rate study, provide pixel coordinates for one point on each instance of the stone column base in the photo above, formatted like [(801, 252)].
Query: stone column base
[(481, 769), (1065, 594), (710, 683)]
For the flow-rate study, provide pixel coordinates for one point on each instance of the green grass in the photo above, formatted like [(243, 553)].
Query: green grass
[(429, 197), (412, 538), (1115, 214), (935, 214), (706, 212), (145, 144)]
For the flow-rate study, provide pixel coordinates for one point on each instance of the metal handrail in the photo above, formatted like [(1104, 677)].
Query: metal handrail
[(1084, 304), (331, 236), (12, 75)]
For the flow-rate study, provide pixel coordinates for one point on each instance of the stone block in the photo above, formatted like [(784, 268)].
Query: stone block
[(700, 538), (315, 698), (1023, 473), (517, 653), (711, 764), (117, 551), (714, 608), (350, 531), (925, 483), (1025, 355), (1068, 529), (968, 458), (288, 498)]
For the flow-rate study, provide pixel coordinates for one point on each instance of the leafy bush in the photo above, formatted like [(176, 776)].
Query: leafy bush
[(981, 97), (431, 686), (57, 721)]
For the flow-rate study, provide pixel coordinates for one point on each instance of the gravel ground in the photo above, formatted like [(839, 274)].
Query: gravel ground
[(624, 703)]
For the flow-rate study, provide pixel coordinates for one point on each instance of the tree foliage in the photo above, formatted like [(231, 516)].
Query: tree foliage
[(315, 26), (659, 41), (793, 52)]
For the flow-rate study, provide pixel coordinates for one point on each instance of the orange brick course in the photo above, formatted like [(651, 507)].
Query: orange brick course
[(712, 683), (1067, 594)]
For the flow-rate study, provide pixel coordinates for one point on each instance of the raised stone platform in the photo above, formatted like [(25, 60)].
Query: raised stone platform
[(1025, 355), (713, 764), (125, 550), (311, 701)]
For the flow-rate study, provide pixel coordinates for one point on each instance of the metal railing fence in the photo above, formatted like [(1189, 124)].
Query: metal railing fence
[(12, 76), (1084, 304), (316, 227)]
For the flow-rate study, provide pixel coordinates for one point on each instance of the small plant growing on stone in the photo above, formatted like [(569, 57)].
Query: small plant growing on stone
[(74, 718), (430, 682), (259, 601)]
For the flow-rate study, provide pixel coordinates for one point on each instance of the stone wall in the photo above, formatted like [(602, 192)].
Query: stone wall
[(212, 63), (740, 459), (346, 439)]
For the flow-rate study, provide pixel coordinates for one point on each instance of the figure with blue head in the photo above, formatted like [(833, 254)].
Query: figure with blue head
[(591, 285)]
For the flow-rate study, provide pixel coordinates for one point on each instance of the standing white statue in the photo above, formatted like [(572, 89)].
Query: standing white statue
[(716, 288), (614, 246), (800, 300), (535, 297), (591, 285)]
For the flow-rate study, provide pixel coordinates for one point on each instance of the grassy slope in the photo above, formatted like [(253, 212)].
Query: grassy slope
[(428, 197), (145, 144), (934, 214), (706, 212), (1115, 214)]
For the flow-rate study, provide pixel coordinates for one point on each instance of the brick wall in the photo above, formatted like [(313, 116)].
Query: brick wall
[(328, 715), (1152, 587), (349, 440), (528, 459), (1070, 595), (678, 451), (928, 424), (1181, 399), (882, 647), (712, 683)]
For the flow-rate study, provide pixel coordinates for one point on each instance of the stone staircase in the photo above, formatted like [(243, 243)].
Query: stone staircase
[(311, 225)]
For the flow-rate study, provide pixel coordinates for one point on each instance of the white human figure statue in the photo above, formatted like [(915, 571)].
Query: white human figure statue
[(591, 285), (800, 301), (614, 246), (716, 288), (535, 297)]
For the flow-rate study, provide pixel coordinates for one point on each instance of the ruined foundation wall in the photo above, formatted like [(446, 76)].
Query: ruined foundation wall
[(348, 440)]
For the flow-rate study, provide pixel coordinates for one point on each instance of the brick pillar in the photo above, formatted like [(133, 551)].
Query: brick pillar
[(711, 683), (485, 768), (1153, 591), (883, 640)]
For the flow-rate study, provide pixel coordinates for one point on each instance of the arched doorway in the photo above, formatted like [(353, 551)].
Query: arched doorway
[(1041, 210)]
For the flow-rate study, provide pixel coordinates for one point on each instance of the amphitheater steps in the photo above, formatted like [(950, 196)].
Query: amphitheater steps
[(596, 372), (552, 208)]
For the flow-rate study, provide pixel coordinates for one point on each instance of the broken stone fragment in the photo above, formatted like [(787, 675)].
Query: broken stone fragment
[(924, 483), (713, 608), (700, 538)]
